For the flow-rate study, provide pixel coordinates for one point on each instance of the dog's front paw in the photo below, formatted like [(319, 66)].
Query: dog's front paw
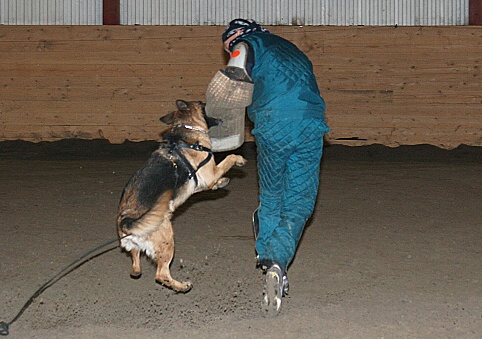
[(240, 161), (222, 182)]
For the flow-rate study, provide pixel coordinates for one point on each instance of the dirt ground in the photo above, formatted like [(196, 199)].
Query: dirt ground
[(393, 249)]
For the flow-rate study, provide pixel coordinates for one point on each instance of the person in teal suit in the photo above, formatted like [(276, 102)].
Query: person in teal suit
[(288, 115)]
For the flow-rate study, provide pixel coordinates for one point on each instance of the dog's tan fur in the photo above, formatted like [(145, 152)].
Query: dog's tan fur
[(150, 229)]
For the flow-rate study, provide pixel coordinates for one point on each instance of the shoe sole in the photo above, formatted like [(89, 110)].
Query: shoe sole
[(272, 295), (255, 224)]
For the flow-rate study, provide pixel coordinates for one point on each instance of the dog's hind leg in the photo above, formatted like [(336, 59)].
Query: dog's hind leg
[(136, 263), (164, 240)]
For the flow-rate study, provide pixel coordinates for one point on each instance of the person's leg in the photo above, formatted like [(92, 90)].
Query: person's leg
[(284, 211), (272, 154), (300, 191), (288, 168)]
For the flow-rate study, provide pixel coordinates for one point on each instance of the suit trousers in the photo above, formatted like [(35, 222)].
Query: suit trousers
[(289, 154)]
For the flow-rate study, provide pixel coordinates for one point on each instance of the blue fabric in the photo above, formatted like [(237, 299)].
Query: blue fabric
[(284, 83), (289, 155), (288, 115)]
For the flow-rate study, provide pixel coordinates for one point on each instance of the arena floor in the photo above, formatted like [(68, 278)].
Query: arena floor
[(393, 249)]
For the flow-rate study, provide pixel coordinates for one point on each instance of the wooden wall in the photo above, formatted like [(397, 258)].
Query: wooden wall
[(385, 85)]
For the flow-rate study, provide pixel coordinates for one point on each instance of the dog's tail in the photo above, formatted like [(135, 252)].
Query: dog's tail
[(149, 221), (127, 224)]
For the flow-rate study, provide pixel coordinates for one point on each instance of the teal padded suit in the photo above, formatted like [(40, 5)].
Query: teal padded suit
[(288, 115)]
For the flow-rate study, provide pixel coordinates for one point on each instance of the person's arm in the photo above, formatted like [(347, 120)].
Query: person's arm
[(231, 89), (241, 63)]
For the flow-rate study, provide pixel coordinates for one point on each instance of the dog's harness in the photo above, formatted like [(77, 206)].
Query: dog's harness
[(174, 147)]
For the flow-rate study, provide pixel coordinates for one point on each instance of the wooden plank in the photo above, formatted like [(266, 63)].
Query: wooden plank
[(115, 134), (343, 36), (382, 84), (73, 88), (119, 94), (31, 109), (380, 36), (354, 136), (148, 113), (154, 81), (374, 122), (139, 46), (107, 33), (131, 52), (11, 69), (416, 95), (90, 89)]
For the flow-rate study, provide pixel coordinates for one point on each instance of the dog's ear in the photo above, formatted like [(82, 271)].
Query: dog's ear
[(181, 105), (168, 119)]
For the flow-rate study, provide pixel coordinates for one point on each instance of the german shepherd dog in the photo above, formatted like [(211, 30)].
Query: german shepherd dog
[(181, 166)]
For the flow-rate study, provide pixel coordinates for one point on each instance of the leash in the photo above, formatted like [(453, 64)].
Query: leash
[(4, 326)]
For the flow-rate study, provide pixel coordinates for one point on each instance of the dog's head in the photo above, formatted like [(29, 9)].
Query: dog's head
[(190, 113)]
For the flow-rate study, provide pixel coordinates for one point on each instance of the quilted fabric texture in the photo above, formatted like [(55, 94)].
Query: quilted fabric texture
[(288, 115), (289, 155), (284, 84)]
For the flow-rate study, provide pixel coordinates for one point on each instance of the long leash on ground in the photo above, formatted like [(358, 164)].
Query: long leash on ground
[(4, 326)]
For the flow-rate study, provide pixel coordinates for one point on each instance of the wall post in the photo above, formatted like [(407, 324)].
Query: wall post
[(475, 12), (111, 12)]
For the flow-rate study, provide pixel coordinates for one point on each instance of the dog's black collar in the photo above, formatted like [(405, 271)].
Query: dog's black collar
[(174, 147)]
